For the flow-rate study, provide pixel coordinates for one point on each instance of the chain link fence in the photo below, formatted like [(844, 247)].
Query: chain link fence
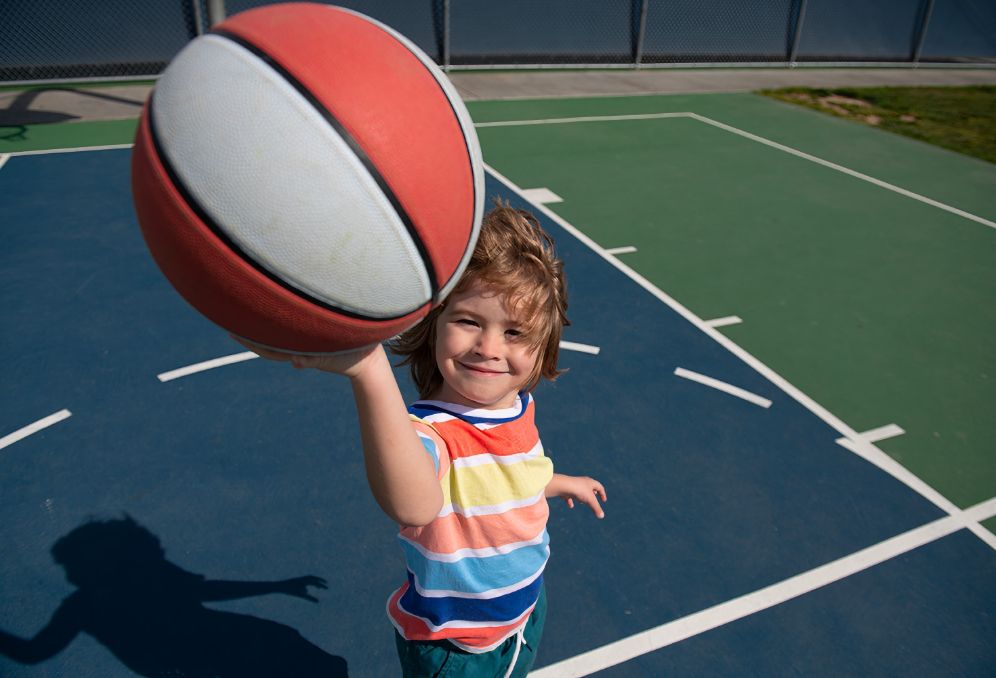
[(46, 40)]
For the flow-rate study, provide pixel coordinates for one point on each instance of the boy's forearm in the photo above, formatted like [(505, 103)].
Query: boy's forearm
[(555, 486), (400, 472)]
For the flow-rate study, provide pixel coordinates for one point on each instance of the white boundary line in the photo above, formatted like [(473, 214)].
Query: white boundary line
[(543, 195), (758, 139), (206, 365), (47, 151), (4, 157), (30, 429), (722, 386), (675, 631), (863, 448), (581, 348)]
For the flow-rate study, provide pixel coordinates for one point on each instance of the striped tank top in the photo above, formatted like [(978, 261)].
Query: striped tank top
[(475, 572)]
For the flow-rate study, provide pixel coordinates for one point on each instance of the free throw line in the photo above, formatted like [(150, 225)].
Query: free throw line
[(30, 429), (206, 365)]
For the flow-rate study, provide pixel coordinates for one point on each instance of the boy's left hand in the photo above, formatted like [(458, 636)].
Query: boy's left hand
[(578, 488)]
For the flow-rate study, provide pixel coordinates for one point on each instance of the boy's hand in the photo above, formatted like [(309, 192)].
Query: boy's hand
[(349, 363), (578, 488)]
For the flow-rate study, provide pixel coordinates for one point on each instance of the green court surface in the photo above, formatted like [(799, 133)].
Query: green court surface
[(21, 138), (875, 304)]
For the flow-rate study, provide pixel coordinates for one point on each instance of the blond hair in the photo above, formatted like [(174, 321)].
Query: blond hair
[(514, 258)]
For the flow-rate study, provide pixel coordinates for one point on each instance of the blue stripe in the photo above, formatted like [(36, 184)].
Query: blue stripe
[(422, 409), (442, 610), (477, 575), (430, 446)]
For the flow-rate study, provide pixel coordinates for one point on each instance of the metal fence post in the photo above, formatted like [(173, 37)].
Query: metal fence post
[(921, 34), (799, 21), (446, 36), (641, 31), (216, 11), (198, 19)]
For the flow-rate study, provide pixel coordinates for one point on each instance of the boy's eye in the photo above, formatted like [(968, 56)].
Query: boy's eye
[(466, 321), (514, 333)]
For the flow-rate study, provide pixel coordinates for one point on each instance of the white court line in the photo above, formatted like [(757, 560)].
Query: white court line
[(30, 429), (4, 157), (47, 151), (542, 195), (723, 322), (863, 448), (758, 139), (680, 629), (874, 435), (582, 348), (628, 249), (722, 386), (845, 170), (206, 365), (589, 118)]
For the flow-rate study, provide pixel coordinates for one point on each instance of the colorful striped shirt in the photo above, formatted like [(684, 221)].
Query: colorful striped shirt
[(475, 572)]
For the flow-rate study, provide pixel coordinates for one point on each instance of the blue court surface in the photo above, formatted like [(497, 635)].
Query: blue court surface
[(740, 538)]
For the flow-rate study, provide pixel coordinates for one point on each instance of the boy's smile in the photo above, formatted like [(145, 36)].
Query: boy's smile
[(481, 351)]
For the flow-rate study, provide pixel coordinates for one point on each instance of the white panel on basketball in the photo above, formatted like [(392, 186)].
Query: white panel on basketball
[(282, 184), (467, 127)]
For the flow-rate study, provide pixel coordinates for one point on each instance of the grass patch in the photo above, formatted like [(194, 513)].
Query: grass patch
[(961, 119)]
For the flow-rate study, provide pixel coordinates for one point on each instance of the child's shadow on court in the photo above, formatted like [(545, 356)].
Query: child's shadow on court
[(149, 613)]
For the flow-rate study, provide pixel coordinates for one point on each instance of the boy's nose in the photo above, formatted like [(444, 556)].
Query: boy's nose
[(488, 345)]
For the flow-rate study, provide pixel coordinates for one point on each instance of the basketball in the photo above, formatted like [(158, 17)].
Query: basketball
[(307, 178)]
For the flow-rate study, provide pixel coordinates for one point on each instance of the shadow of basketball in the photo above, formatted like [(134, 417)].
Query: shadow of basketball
[(149, 613)]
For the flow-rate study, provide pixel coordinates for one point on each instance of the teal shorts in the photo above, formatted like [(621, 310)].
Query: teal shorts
[(438, 658)]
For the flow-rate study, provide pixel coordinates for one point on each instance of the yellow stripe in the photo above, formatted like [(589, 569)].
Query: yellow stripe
[(491, 484)]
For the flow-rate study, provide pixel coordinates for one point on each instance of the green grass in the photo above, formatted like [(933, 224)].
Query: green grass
[(961, 119)]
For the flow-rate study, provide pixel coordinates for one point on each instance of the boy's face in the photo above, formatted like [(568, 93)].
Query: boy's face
[(480, 351)]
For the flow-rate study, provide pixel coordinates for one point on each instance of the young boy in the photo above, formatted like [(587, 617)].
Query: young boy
[(463, 470)]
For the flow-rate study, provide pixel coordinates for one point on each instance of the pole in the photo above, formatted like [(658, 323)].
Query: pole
[(198, 19), (922, 33), (799, 21), (446, 36), (216, 11), (641, 32)]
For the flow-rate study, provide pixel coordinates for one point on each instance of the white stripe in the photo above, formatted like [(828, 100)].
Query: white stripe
[(30, 429), (863, 448), (485, 552), (845, 170), (722, 386), (48, 151), (723, 322), (206, 365), (4, 157), (484, 595), (873, 436), (581, 348), (541, 195), (473, 511), (628, 249), (590, 118), (713, 617), (504, 460)]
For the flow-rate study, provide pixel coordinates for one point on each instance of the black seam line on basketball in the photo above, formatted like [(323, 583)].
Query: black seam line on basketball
[(470, 155), (354, 146), (209, 221)]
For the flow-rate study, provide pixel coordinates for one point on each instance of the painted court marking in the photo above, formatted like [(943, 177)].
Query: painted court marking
[(542, 195), (4, 157), (582, 348), (724, 322), (752, 137), (722, 386), (206, 365), (81, 149), (628, 249), (645, 642), (705, 620), (30, 429), (873, 436)]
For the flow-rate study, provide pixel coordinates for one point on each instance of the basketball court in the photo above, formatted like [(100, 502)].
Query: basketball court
[(764, 518)]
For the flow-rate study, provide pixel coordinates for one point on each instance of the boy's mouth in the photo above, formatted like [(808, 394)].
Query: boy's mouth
[(481, 370)]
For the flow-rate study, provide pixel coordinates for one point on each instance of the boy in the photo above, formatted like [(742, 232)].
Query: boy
[(463, 470)]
